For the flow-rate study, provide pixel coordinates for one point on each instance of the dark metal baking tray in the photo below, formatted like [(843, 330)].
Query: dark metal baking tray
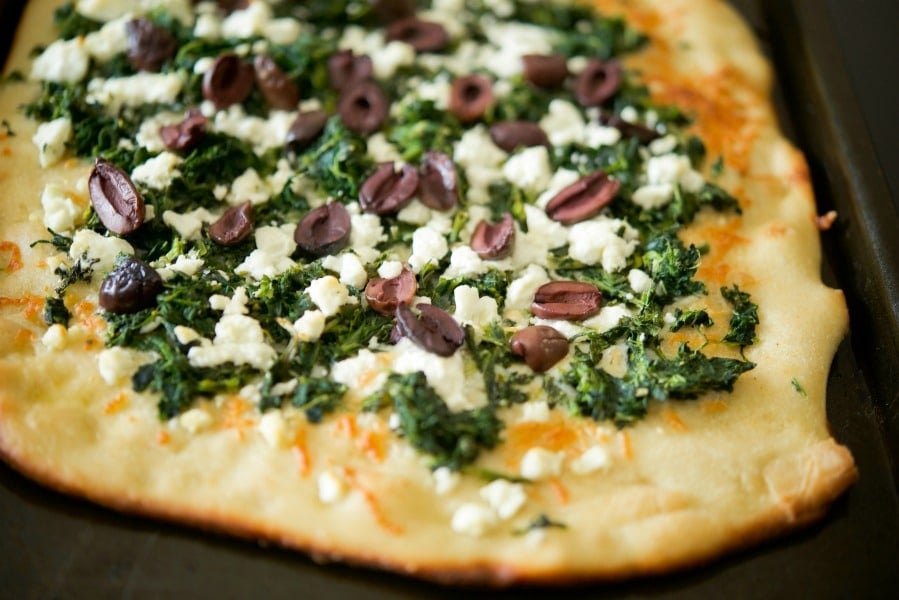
[(52, 546)]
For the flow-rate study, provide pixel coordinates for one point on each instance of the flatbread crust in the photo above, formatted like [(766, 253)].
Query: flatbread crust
[(689, 482)]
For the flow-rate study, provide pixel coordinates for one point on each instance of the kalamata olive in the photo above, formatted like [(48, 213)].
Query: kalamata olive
[(470, 97), (424, 36), (628, 129), (280, 92), (346, 68), (494, 241), (540, 346), (583, 198), (363, 107), (388, 189), (186, 134), (234, 226), (545, 70), (510, 135), (229, 6), (305, 129), (324, 230), (388, 11), (568, 300), (114, 198), (132, 286), (434, 329), (149, 45), (384, 295), (597, 82), (229, 81), (438, 186)]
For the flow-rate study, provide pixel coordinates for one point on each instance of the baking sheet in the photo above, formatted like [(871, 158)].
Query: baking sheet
[(53, 546)]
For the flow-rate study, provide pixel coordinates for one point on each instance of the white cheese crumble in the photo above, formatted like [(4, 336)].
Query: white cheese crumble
[(349, 267), (63, 61), (239, 340), (537, 411), (185, 264), (158, 172), (118, 364), (614, 360), (543, 235), (390, 269), (309, 326), (109, 40), (529, 169), (504, 497), (274, 245), (364, 373), (188, 225), (445, 479), (521, 291), (563, 123), (260, 133), (50, 139), (381, 150), (186, 335), (56, 337), (465, 262), (61, 214), (195, 420), (273, 429), (473, 519), (591, 460), (639, 281), (107, 10), (329, 295), (365, 233), (444, 374), (135, 90), (331, 488), (597, 241), (148, 132), (428, 246), (415, 212), (249, 186), (540, 463), (390, 57), (472, 309), (103, 249), (608, 317)]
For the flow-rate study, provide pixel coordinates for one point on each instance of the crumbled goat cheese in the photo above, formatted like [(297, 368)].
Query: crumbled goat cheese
[(309, 326), (390, 269), (331, 488), (262, 134), (445, 479), (239, 340), (563, 123), (61, 214), (158, 172), (119, 364), (195, 420), (110, 40), (540, 463), (135, 90), (521, 291), (591, 460), (188, 225), (473, 519), (63, 61), (364, 373), (465, 262), (639, 281), (349, 267), (597, 242), (428, 246), (504, 497), (104, 250), (274, 246), (329, 295), (273, 429), (607, 318), (472, 309), (51, 138), (529, 169), (444, 374)]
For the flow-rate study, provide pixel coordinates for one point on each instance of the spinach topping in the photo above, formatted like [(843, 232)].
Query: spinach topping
[(334, 167), (453, 439)]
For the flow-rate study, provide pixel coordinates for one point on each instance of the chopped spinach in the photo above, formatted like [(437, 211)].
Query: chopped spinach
[(744, 319), (453, 439)]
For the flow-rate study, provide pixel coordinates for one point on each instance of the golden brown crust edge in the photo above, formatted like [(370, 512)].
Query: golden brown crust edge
[(824, 468)]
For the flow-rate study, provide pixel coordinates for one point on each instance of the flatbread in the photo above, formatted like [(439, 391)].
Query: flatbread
[(688, 482)]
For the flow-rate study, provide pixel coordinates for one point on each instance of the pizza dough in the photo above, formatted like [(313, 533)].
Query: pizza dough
[(690, 481)]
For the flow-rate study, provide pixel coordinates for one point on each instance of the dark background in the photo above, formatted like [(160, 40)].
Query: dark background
[(838, 64)]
